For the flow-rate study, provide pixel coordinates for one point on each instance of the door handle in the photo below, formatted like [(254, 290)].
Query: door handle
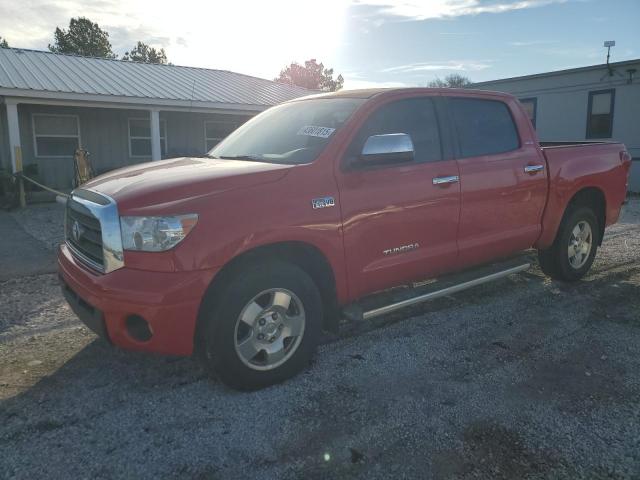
[(446, 180), (533, 168)]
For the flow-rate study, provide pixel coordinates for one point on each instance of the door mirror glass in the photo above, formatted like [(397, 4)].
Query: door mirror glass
[(387, 148)]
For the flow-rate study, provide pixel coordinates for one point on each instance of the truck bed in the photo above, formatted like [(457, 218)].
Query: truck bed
[(573, 166)]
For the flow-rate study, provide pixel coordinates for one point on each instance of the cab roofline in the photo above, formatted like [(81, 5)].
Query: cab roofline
[(374, 92)]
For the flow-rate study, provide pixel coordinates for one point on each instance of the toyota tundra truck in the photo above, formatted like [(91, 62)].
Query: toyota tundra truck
[(244, 256)]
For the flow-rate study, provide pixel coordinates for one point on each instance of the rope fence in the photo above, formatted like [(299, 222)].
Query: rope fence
[(83, 172), (44, 187)]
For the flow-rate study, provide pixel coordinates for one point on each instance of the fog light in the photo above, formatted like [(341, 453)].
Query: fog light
[(138, 328)]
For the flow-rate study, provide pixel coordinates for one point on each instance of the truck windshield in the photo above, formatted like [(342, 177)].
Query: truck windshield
[(291, 133)]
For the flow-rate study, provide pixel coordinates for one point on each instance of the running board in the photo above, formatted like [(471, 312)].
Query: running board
[(355, 312)]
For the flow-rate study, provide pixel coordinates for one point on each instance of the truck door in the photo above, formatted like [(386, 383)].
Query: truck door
[(502, 177), (400, 218)]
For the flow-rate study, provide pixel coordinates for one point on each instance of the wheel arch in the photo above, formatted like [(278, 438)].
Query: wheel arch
[(594, 198), (302, 254)]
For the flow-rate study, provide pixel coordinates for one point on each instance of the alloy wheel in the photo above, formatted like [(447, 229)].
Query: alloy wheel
[(580, 244), (269, 329)]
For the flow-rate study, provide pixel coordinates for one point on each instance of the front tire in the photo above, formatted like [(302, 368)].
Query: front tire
[(263, 327), (574, 249)]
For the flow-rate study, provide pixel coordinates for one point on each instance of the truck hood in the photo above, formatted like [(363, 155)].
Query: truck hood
[(157, 185)]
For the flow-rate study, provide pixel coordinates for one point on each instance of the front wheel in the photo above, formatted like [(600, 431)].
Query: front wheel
[(263, 327), (574, 249)]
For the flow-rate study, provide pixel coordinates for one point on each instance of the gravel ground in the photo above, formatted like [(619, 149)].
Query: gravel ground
[(44, 222), (523, 378)]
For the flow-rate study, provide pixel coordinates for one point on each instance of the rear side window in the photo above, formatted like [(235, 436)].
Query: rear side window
[(484, 127), (415, 117)]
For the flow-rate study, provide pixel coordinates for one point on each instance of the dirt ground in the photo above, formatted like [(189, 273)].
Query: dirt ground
[(522, 378)]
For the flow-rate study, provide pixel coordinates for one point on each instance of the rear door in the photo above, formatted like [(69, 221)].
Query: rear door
[(398, 225), (503, 179)]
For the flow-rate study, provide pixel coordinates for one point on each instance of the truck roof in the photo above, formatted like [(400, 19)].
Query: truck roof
[(373, 92)]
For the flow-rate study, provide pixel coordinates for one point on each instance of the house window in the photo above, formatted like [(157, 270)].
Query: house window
[(55, 135), (140, 137), (600, 114), (531, 108), (216, 130)]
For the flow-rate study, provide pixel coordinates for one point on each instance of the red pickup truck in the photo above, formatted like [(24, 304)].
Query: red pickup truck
[(243, 256)]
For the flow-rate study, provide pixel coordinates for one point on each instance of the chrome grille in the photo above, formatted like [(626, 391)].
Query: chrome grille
[(84, 232), (92, 230)]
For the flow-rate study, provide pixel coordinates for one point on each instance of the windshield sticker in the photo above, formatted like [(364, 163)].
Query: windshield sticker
[(313, 131)]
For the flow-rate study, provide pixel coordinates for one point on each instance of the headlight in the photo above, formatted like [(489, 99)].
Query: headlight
[(155, 234)]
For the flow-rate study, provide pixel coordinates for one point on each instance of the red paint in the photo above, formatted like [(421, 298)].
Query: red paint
[(496, 209), (168, 300)]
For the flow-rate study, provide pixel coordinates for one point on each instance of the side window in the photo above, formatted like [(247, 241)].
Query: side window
[(413, 116), (484, 127)]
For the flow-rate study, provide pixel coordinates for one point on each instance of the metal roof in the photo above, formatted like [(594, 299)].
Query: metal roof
[(35, 73), (559, 72)]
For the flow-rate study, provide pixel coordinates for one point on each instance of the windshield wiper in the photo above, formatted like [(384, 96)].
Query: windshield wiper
[(250, 157)]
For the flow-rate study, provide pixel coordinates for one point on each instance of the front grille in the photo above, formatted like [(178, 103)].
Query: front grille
[(84, 233), (93, 230)]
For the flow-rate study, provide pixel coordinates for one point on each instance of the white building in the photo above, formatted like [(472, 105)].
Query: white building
[(600, 102)]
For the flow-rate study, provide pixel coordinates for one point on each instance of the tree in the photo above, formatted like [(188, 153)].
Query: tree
[(83, 38), (146, 54), (3, 43), (312, 75), (453, 80)]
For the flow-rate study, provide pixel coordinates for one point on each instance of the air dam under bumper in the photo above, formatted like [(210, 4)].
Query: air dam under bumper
[(168, 301)]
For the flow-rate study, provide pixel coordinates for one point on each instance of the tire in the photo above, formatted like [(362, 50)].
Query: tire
[(557, 261), (249, 313)]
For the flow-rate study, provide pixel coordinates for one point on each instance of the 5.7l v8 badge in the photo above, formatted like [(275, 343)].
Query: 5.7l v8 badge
[(323, 202)]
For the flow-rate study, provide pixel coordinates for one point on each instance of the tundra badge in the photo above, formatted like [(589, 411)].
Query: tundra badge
[(323, 202), (402, 249)]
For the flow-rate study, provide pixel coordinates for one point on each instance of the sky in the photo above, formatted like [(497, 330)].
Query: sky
[(369, 42)]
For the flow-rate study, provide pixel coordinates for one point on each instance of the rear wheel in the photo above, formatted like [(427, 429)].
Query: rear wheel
[(574, 249), (264, 326)]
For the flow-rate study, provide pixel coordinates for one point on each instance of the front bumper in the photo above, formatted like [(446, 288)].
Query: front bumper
[(88, 314), (168, 301)]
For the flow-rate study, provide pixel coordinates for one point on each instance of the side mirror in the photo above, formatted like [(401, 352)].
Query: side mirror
[(387, 148)]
